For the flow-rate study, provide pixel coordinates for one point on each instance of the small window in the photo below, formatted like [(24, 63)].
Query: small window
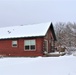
[(29, 44), (14, 43)]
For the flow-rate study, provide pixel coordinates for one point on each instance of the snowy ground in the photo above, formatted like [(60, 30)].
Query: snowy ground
[(63, 65)]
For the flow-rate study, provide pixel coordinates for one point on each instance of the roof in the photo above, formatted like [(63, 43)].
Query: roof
[(24, 31)]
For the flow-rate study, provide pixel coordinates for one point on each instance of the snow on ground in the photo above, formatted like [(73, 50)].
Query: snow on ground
[(63, 65)]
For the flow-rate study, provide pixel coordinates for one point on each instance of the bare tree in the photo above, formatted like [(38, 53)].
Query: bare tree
[(66, 33)]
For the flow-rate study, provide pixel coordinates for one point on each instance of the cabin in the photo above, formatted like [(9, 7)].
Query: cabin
[(27, 40)]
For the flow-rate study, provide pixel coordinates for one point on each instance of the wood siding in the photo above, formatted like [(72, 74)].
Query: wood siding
[(7, 49)]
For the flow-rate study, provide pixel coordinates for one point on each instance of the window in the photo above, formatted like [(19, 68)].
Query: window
[(29, 44), (14, 43), (46, 45)]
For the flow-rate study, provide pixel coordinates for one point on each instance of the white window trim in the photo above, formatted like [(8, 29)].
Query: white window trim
[(12, 43), (29, 49)]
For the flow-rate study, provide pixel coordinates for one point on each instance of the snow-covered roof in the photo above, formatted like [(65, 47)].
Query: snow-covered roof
[(24, 31)]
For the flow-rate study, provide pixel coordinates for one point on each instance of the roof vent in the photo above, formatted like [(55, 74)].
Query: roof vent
[(9, 31)]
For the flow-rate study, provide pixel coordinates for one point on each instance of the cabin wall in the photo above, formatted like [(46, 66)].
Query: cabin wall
[(49, 37), (7, 49)]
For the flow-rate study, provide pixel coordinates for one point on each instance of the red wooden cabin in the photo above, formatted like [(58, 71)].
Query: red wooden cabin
[(27, 40)]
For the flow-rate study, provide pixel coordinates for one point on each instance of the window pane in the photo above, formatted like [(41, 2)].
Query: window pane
[(14, 43), (27, 47), (32, 47), (32, 42), (27, 42)]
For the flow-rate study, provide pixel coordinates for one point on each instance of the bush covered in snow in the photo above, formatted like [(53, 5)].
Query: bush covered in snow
[(71, 50)]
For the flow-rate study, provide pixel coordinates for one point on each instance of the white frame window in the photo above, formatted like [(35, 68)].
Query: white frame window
[(29, 45), (14, 43), (46, 45)]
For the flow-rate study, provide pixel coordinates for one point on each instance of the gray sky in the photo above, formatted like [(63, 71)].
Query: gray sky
[(19, 12)]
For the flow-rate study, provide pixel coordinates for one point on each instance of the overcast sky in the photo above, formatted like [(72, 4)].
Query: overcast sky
[(19, 12)]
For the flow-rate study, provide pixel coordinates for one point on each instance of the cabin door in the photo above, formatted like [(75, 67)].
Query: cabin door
[(46, 45)]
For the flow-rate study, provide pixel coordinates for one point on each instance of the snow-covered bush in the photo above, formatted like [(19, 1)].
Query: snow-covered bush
[(71, 50), (74, 54)]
